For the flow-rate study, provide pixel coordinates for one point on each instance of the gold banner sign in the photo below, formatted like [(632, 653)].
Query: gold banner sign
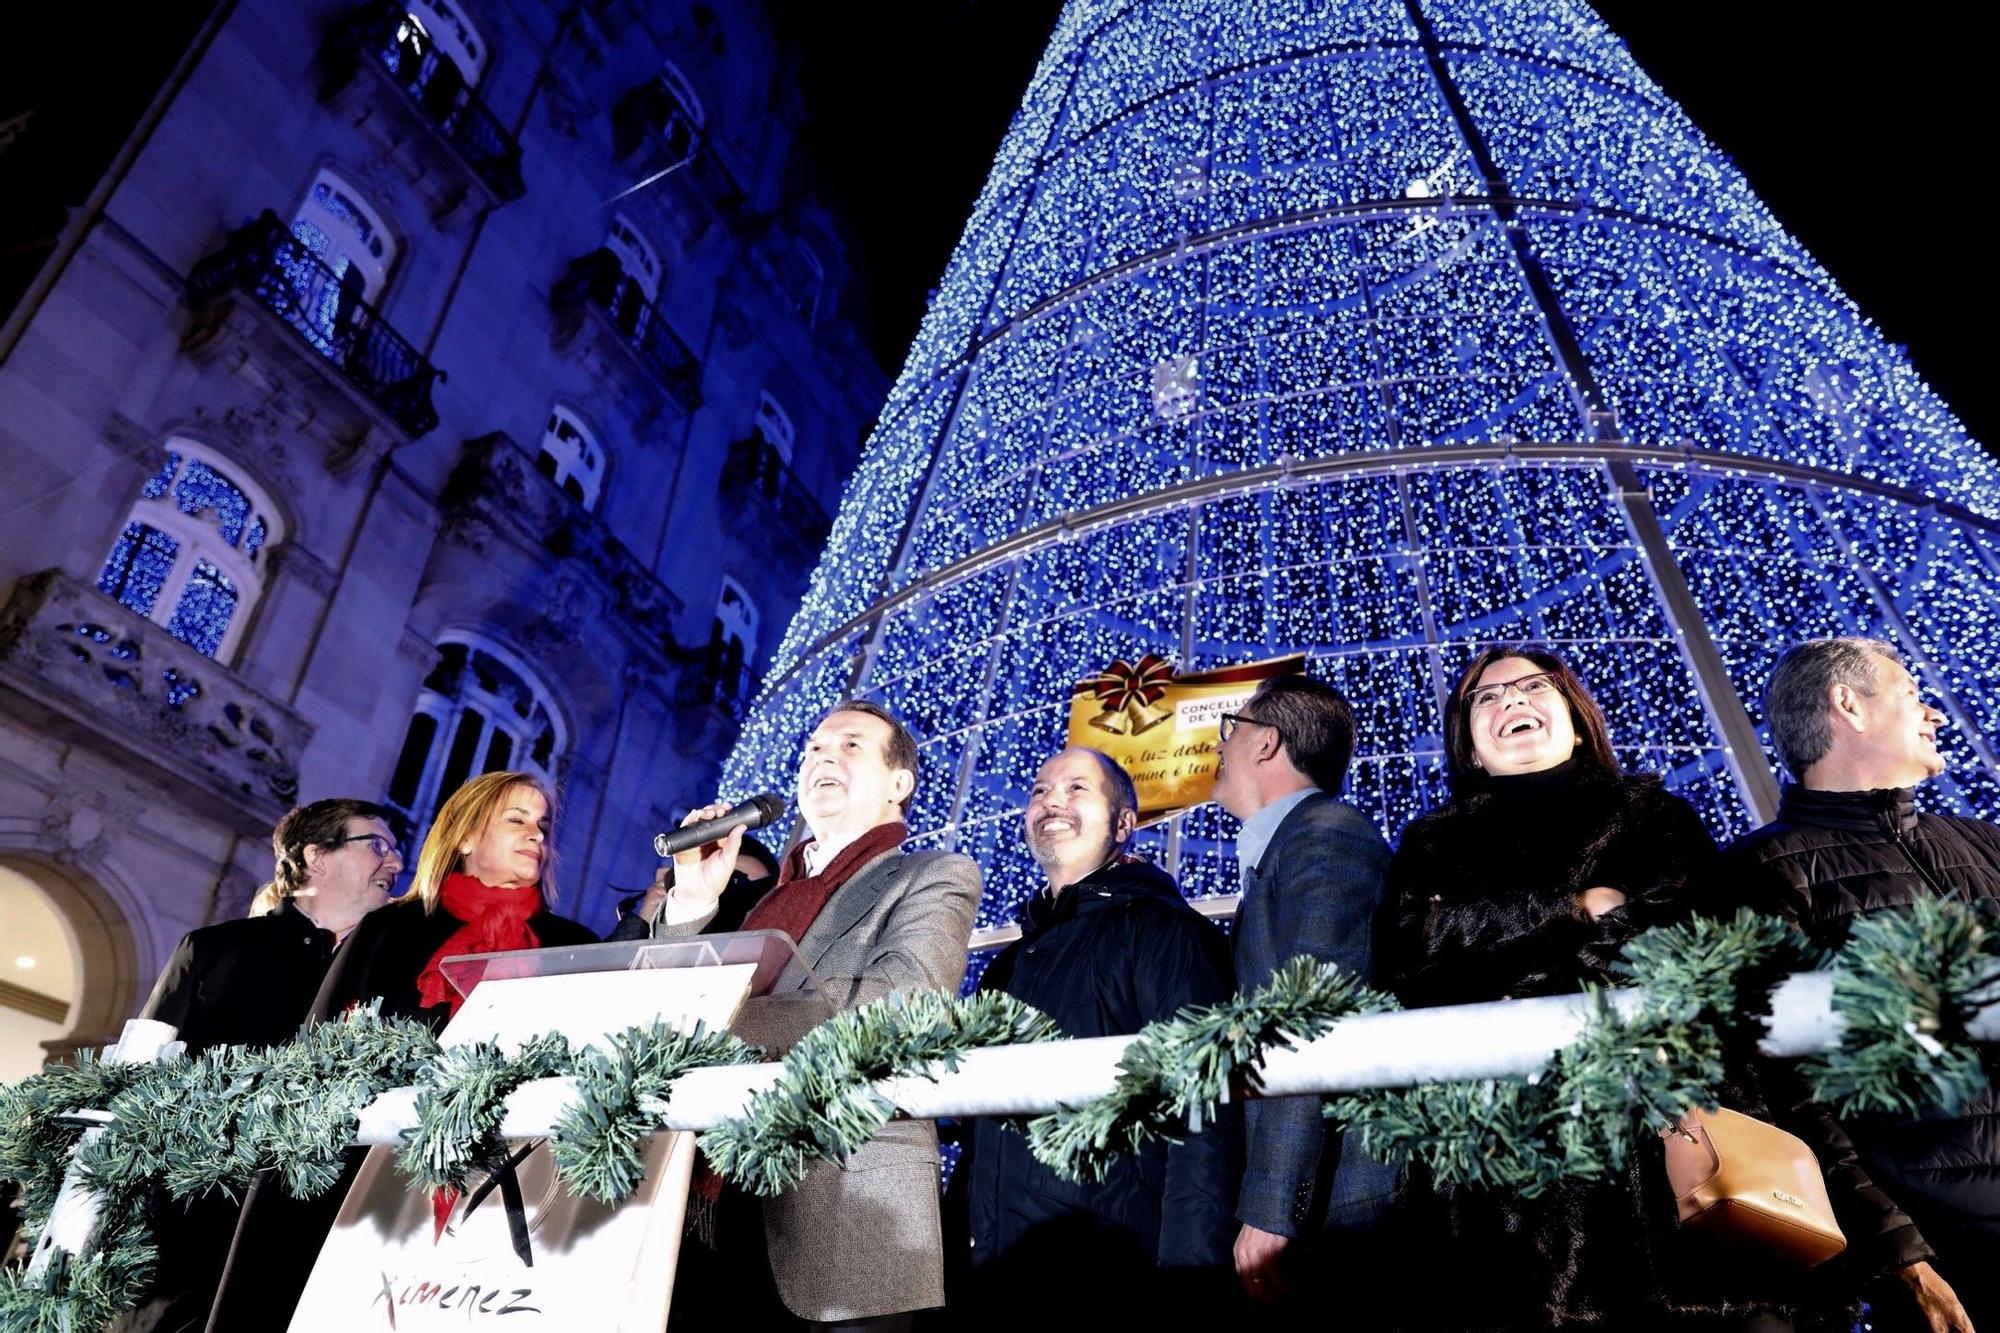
[(1162, 727)]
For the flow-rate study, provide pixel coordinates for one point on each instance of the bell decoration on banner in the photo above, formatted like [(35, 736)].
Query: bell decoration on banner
[(1129, 694)]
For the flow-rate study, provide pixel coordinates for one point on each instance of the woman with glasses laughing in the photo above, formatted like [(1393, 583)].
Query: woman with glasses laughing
[(1527, 881)]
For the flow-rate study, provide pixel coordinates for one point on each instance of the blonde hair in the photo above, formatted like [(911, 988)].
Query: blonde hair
[(461, 819)]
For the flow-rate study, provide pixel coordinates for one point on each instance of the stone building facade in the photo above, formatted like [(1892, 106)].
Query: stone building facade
[(427, 388)]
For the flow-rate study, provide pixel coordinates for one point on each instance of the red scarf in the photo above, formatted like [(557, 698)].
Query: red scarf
[(493, 920), (799, 898)]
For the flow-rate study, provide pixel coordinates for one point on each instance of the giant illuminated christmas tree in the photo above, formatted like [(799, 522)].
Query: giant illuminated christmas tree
[(1376, 330)]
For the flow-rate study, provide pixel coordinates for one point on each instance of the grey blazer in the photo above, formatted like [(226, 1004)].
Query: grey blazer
[(1315, 892), (863, 1240)]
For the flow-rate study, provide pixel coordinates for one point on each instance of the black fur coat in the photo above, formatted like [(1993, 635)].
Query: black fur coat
[(1481, 905), (1481, 899)]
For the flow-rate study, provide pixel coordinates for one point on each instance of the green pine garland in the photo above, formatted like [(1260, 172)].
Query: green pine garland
[(1176, 1071), (183, 1126), (598, 1141), (459, 1106), (825, 1106), (1623, 1079), (1905, 984)]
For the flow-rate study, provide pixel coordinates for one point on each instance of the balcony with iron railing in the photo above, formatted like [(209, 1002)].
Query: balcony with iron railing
[(85, 668), (654, 133), (419, 84), (268, 264), (597, 286), (722, 681), (761, 491), (497, 487)]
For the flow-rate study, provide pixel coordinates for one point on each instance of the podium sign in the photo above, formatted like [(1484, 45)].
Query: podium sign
[(517, 1245)]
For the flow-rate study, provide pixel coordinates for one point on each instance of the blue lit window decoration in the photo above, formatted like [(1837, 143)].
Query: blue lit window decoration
[(343, 207), (202, 490), (189, 556), (141, 562), (157, 486), (181, 689), (340, 234), (206, 607)]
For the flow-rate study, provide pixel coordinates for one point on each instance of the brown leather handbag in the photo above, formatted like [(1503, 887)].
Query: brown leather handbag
[(1742, 1181)]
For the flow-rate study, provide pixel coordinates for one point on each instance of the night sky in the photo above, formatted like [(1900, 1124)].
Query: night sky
[(1868, 138)]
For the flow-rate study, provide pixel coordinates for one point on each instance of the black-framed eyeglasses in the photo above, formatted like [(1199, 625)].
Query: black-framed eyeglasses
[(1227, 724), (1532, 686), (383, 847)]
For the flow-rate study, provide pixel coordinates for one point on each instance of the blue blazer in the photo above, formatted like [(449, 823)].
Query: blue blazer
[(1315, 892)]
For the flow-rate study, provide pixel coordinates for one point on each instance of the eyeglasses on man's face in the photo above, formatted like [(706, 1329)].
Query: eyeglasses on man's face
[(383, 847), (1226, 726), (1539, 685)]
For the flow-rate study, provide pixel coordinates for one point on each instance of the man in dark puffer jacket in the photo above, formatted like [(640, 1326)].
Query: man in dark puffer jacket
[(1849, 723), (1109, 946)]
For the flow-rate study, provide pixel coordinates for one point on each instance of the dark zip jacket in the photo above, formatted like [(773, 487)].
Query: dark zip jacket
[(1115, 951), (1828, 858)]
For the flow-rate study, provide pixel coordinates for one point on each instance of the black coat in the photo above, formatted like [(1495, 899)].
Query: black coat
[(393, 944), (248, 982), (1115, 951), (1832, 856), (1481, 901), (1482, 906), (243, 983), (278, 1237)]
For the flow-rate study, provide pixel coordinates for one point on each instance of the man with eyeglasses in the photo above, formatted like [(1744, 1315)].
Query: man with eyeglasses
[(251, 982), (1311, 871)]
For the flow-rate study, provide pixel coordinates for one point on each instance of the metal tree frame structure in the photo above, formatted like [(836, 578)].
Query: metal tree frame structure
[(1380, 329)]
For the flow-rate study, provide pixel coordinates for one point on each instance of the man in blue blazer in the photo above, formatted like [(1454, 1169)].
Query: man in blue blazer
[(1311, 869)]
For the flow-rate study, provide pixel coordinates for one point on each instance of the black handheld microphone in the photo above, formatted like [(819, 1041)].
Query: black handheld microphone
[(753, 813)]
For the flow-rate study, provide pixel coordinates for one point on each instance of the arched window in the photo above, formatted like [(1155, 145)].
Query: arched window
[(452, 35), (676, 83), (339, 226), (192, 553), (775, 425), (637, 258), (812, 281), (571, 457), (479, 711), (733, 642), (638, 281), (681, 117)]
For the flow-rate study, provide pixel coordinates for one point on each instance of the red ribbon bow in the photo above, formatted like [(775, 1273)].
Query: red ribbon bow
[(1124, 683)]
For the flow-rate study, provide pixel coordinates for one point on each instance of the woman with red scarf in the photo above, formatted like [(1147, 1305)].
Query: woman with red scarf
[(482, 883)]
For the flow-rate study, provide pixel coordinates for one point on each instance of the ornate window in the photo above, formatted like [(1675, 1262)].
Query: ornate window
[(775, 425), (339, 226), (443, 27), (732, 643), (641, 264), (684, 117), (346, 235), (636, 285), (191, 555), (571, 457), (812, 281), (479, 711)]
